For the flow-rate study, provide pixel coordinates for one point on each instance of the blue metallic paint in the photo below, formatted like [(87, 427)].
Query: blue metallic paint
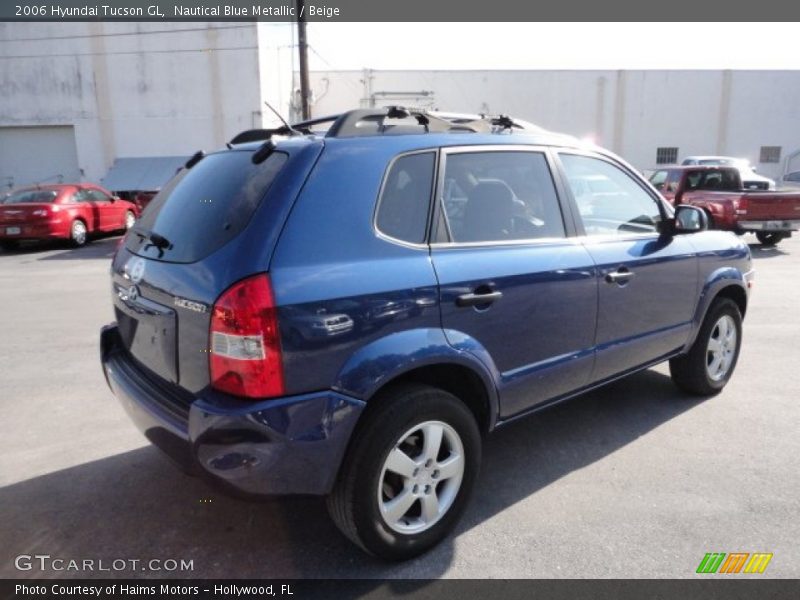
[(389, 357), (723, 261), (538, 332), (289, 446), (356, 311), (649, 315), (293, 445)]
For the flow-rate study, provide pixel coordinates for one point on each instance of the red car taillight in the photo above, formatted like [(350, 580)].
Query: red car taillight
[(245, 343), (740, 205)]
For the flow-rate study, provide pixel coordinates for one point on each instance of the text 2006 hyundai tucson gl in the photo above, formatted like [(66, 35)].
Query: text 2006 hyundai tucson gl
[(346, 314)]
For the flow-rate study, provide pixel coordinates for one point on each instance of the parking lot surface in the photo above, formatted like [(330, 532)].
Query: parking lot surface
[(633, 480)]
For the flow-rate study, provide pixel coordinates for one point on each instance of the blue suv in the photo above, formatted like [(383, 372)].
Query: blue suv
[(347, 312)]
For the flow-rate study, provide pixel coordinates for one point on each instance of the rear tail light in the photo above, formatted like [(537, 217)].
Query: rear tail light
[(245, 357), (40, 212), (740, 206)]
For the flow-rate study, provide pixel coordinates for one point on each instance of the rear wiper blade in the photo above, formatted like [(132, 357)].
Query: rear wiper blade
[(156, 239)]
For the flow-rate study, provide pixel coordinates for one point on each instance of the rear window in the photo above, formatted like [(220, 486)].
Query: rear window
[(722, 180), (30, 196), (203, 208)]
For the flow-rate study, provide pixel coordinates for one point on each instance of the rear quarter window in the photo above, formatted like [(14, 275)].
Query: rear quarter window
[(203, 208), (405, 198)]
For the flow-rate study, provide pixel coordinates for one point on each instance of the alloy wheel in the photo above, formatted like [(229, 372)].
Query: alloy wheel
[(421, 477), (721, 348)]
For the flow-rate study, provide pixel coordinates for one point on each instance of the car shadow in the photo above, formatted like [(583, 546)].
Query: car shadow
[(137, 505), (99, 248), (761, 251)]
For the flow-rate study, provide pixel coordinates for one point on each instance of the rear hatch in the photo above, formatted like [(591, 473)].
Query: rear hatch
[(782, 206), (210, 226)]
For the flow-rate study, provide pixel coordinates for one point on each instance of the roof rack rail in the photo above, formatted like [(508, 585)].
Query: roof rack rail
[(392, 120)]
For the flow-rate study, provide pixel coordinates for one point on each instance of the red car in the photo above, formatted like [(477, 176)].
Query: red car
[(71, 212)]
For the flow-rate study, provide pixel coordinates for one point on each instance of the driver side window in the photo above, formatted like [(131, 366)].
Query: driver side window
[(610, 201)]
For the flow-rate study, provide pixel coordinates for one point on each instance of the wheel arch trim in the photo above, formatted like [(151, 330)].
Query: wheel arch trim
[(727, 281), (388, 359)]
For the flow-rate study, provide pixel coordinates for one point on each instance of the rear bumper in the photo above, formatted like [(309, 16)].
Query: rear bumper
[(291, 445), (36, 231), (771, 225)]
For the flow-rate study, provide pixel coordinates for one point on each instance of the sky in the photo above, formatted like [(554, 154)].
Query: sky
[(345, 46)]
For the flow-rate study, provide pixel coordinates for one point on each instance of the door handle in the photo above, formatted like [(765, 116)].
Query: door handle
[(621, 276), (476, 299)]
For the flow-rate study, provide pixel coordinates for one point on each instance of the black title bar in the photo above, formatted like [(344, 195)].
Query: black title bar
[(709, 588), (406, 10)]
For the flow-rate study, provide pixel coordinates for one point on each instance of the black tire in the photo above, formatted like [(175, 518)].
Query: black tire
[(9, 245), (78, 233), (690, 371), (769, 238), (354, 503)]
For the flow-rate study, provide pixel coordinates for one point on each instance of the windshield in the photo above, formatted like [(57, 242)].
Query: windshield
[(203, 208), (30, 196)]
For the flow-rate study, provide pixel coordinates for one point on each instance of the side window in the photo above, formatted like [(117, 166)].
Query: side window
[(81, 196), (406, 196), (499, 196), (97, 196), (610, 201), (658, 179), (673, 181), (693, 179)]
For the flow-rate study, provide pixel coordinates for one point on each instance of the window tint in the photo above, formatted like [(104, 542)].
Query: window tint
[(609, 200), (499, 196), (202, 208), (712, 180), (405, 200)]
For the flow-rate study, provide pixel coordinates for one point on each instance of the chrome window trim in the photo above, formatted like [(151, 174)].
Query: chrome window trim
[(439, 199), (431, 202), (663, 207)]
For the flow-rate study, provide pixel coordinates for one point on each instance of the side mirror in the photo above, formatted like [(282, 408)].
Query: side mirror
[(689, 219), (114, 198)]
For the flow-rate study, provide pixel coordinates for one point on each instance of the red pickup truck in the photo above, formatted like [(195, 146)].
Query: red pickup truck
[(771, 215)]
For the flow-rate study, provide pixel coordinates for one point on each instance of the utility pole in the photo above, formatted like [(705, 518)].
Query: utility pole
[(302, 47)]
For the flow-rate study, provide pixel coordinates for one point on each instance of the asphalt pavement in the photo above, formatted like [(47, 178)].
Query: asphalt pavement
[(632, 480)]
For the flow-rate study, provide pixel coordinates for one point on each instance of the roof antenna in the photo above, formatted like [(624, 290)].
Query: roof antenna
[(284, 121)]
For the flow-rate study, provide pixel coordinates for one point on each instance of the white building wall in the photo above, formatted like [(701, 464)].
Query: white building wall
[(631, 112), (276, 60), (132, 89)]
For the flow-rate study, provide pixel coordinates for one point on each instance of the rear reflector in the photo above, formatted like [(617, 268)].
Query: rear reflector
[(245, 358)]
